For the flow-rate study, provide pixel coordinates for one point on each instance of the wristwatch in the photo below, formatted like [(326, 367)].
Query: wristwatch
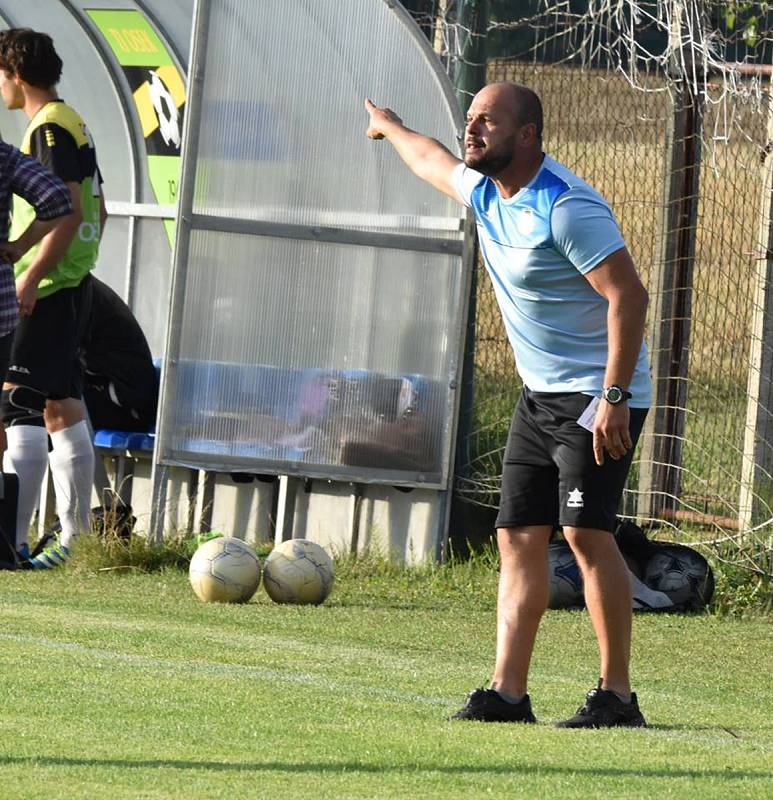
[(614, 394)]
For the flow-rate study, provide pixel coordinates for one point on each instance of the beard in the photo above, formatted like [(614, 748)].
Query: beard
[(494, 162)]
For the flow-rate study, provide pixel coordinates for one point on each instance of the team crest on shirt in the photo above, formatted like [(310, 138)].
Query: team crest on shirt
[(525, 221), (575, 499)]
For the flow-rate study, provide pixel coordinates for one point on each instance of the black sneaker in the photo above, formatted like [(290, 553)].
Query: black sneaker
[(604, 709), (485, 705)]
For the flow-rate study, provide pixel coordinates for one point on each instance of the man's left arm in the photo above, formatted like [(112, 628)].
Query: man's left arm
[(616, 279)]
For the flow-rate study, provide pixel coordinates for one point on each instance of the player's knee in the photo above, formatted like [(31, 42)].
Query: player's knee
[(21, 405)]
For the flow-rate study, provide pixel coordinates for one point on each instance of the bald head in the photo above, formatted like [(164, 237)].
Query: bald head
[(522, 102), (503, 136)]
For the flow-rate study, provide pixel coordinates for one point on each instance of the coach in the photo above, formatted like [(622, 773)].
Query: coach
[(574, 309)]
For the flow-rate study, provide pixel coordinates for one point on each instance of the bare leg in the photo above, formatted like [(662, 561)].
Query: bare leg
[(608, 597), (61, 414), (521, 602)]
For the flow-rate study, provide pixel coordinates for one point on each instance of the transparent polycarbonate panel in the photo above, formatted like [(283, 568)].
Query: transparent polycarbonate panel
[(86, 85), (334, 358), (282, 133), (152, 280), (173, 18), (113, 263)]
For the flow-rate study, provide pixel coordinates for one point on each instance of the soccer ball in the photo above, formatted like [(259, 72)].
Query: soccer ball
[(565, 580), (298, 571), (224, 570), (681, 573)]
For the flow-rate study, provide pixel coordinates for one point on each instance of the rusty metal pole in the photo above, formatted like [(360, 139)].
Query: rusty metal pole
[(662, 448)]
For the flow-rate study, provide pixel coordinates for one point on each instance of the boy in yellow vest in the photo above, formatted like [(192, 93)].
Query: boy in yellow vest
[(41, 395)]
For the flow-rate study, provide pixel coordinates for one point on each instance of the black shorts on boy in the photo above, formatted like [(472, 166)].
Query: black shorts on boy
[(47, 344)]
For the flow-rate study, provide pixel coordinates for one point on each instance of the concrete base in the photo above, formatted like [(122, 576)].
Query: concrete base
[(401, 525)]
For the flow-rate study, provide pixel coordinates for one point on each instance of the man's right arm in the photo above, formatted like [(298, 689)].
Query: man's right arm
[(424, 156)]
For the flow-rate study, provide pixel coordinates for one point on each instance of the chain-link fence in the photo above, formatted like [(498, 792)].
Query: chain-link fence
[(681, 152)]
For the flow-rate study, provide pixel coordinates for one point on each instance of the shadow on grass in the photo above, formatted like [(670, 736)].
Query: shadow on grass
[(695, 728), (357, 766)]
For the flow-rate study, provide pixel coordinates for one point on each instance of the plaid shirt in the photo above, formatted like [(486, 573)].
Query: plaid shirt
[(22, 175)]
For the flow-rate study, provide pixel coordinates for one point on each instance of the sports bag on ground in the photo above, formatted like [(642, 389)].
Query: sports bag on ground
[(664, 576)]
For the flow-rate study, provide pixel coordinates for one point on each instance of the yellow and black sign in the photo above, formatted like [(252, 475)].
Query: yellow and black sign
[(159, 94)]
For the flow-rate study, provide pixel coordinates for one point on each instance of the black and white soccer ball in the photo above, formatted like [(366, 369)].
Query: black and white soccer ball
[(166, 110), (224, 570), (565, 579), (298, 571), (681, 573)]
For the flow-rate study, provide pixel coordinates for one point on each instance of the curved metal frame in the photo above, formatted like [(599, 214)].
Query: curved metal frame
[(135, 209), (119, 88), (188, 221)]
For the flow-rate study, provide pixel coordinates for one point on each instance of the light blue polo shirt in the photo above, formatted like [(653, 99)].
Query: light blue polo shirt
[(537, 246)]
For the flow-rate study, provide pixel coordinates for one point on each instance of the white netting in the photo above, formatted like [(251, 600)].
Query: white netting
[(663, 107)]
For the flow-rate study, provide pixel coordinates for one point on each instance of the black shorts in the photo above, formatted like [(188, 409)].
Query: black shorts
[(46, 351), (6, 342), (104, 413), (550, 476)]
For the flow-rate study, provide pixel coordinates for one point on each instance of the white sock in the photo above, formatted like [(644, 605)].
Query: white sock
[(72, 470), (27, 456)]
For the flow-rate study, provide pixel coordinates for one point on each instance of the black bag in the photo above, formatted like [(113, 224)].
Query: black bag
[(665, 576), (9, 500), (113, 520)]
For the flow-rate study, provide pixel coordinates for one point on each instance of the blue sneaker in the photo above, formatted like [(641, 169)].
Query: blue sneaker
[(53, 556), (23, 552)]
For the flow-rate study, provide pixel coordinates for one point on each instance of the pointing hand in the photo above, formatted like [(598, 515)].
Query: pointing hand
[(380, 120)]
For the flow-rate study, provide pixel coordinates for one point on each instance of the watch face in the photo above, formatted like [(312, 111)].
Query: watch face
[(614, 395)]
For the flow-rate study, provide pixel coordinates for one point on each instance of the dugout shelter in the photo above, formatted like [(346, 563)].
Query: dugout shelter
[(307, 294)]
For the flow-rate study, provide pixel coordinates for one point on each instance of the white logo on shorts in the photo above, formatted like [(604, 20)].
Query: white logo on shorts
[(575, 499)]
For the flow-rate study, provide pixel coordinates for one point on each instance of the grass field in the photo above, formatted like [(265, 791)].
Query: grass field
[(122, 685)]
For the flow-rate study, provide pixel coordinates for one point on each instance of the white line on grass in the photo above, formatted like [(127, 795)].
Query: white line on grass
[(232, 670), (351, 653)]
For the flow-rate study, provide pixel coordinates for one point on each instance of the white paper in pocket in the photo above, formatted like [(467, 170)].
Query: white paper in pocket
[(588, 417)]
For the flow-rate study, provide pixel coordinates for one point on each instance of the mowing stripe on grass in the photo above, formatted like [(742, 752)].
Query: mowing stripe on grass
[(349, 652), (233, 670), (718, 736)]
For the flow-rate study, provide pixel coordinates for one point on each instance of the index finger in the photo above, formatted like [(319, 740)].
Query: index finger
[(598, 449)]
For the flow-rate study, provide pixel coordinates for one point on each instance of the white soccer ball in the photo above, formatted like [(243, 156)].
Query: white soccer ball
[(298, 571), (224, 570), (166, 110), (565, 580)]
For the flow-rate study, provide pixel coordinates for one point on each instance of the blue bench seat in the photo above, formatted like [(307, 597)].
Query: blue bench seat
[(124, 440)]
